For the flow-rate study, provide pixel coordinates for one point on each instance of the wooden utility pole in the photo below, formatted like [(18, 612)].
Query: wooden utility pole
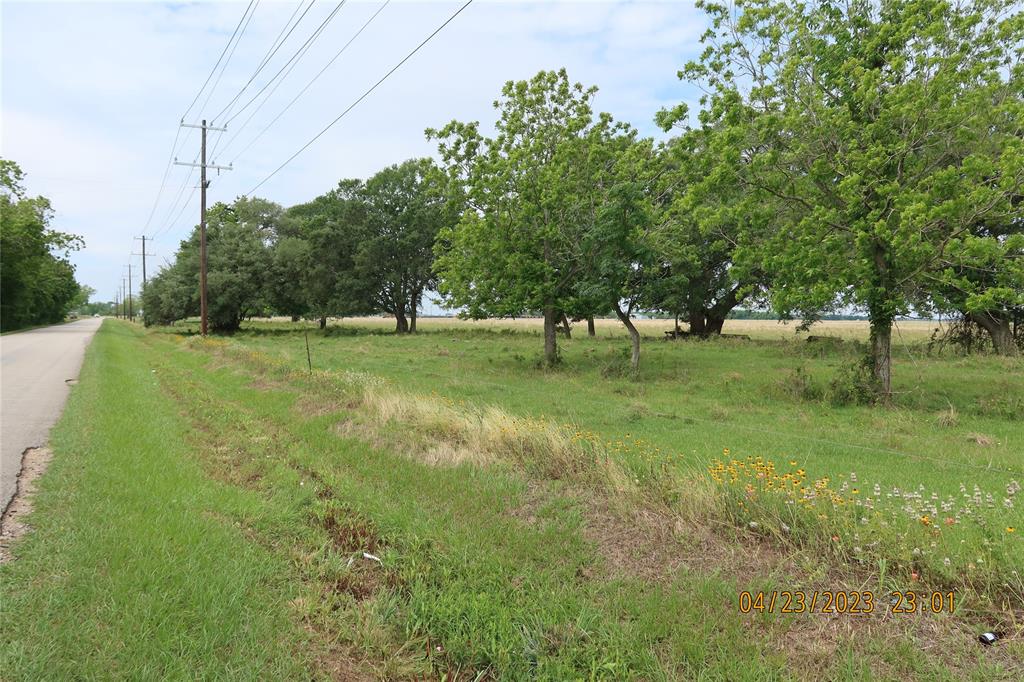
[(131, 316), (117, 304), (124, 298), (143, 254), (203, 184)]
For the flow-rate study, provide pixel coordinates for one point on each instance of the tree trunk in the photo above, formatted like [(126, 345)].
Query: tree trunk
[(550, 337), (697, 324), (401, 323), (295, 318), (881, 354), (634, 337), (590, 326), (566, 329), (323, 322), (998, 327), (413, 308), (714, 325)]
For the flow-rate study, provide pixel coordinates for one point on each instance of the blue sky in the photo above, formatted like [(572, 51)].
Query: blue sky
[(92, 94)]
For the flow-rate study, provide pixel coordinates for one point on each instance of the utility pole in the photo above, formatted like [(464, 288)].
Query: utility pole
[(124, 299), (117, 304), (143, 254), (131, 316), (203, 184)]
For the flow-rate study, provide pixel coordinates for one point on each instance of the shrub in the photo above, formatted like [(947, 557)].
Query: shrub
[(854, 384)]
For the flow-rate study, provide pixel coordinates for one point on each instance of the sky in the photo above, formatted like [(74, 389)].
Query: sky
[(92, 95)]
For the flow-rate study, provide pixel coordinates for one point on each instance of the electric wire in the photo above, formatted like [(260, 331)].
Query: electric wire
[(304, 89), (224, 68), (291, 61), (177, 133), (363, 96), (270, 55), (219, 59), (276, 80)]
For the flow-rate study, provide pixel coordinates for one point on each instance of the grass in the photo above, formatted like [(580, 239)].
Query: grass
[(696, 398), (129, 571), (210, 502)]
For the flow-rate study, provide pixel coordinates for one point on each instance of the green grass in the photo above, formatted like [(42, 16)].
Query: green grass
[(202, 507), (129, 573), (696, 398)]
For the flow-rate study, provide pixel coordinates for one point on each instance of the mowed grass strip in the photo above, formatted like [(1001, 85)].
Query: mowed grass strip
[(129, 573)]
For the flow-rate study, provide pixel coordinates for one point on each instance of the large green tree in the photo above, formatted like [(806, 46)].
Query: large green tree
[(884, 129), (529, 195), (329, 226), (239, 262), (394, 260), (37, 281), (709, 234)]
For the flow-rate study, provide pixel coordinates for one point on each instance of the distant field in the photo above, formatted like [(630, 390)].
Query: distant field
[(911, 330)]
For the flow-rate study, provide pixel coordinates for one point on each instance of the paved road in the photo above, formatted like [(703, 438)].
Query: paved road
[(34, 367)]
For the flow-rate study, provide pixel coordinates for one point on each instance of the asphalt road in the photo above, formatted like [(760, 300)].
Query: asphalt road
[(34, 369)]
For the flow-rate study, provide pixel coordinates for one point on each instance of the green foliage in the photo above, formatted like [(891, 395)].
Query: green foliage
[(329, 226), (883, 131), (239, 263), (710, 232), (531, 196), (37, 282), (853, 384), (394, 258)]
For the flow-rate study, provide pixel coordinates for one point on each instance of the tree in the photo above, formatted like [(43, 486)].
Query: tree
[(329, 226), (394, 256), (982, 278), (289, 265), (617, 247), (238, 263), (883, 130), (37, 281), (529, 199), (709, 235)]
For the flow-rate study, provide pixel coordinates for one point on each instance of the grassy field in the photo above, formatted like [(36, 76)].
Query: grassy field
[(210, 503)]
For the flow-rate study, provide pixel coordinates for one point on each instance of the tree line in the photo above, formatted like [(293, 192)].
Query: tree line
[(37, 281), (867, 154), (362, 248)]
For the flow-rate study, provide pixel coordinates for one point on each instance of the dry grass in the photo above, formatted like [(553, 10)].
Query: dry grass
[(449, 434), (850, 330)]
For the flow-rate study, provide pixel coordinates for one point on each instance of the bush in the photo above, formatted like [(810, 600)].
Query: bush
[(798, 385), (854, 384)]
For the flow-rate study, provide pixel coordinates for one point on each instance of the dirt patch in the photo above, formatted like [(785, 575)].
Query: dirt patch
[(309, 406), (262, 384), (636, 546), (12, 526)]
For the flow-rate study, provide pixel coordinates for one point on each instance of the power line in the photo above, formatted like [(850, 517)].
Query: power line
[(170, 211), (224, 68), (278, 43), (286, 69), (305, 88), (221, 57), (239, 31), (364, 95), (291, 61)]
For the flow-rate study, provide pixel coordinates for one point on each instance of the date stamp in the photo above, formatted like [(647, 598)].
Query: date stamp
[(844, 601)]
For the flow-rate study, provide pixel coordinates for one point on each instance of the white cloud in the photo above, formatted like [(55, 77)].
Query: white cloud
[(92, 93)]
